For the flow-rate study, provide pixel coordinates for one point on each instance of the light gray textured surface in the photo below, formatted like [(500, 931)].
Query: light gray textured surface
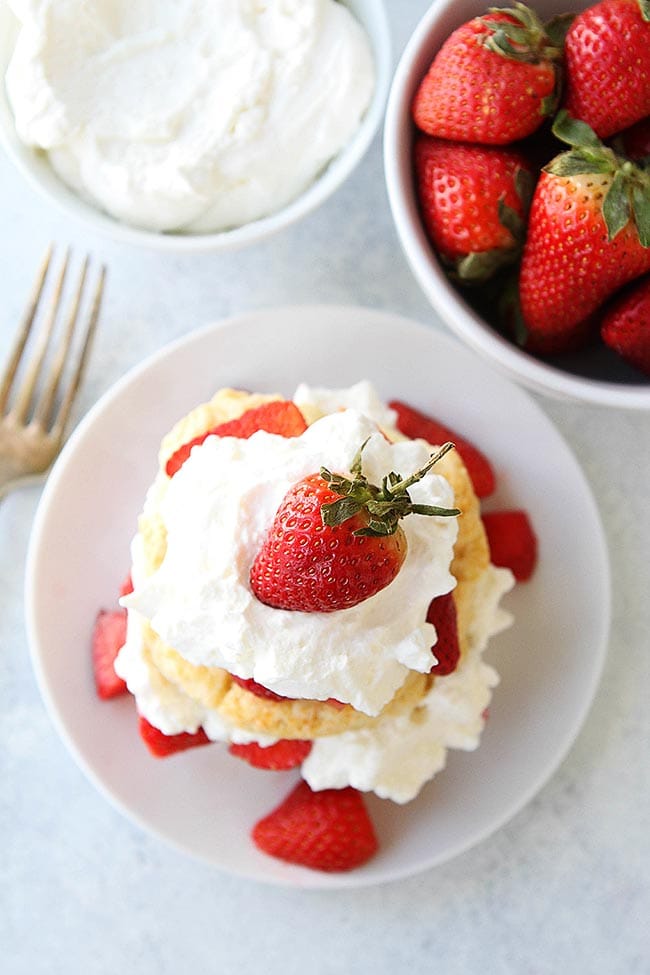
[(563, 887)]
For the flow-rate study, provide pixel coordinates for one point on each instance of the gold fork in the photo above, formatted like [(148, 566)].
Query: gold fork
[(33, 421)]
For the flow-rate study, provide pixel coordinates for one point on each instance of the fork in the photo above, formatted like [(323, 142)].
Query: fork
[(33, 422)]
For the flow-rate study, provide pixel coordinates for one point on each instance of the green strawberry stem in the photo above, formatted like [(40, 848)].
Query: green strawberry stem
[(628, 196), (526, 40), (385, 505)]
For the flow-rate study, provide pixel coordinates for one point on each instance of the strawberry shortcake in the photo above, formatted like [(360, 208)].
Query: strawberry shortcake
[(312, 585)]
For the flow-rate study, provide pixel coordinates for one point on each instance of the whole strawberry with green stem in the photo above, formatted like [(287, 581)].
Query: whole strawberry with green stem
[(588, 235), (474, 203), (336, 541), (607, 59), (494, 80)]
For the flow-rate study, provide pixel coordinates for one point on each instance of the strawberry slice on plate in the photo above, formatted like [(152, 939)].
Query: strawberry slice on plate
[(512, 541), (109, 634), (162, 745), (328, 830)]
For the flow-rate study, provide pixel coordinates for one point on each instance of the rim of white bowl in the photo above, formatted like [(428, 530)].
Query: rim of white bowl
[(372, 16), (455, 313)]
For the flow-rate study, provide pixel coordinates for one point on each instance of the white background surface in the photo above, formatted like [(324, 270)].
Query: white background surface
[(563, 887)]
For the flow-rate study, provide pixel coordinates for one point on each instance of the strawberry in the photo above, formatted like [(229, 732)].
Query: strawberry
[(109, 634), (265, 692), (625, 326), (607, 57), (127, 586), (418, 425), (474, 202), (512, 541), (494, 80), (588, 235), (442, 613), (257, 689), (335, 542), (281, 417), (329, 830), (162, 745), (278, 757)]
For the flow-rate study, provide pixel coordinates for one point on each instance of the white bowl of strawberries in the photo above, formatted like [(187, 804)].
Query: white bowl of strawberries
[(517, 159)]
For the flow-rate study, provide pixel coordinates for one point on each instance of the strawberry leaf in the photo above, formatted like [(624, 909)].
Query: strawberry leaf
[(577, 162), (641, 209), (616, 206), (558, 27), (644, 7), (479, 266), (574, 132), (511, 220), (383, 505)]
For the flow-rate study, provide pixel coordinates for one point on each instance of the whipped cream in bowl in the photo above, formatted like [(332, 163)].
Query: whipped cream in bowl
[(191, 125)]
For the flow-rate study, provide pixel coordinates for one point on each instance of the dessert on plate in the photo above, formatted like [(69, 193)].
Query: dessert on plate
[(312, 584)]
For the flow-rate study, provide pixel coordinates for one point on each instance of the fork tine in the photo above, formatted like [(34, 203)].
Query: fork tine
[(61, 418), (43, 410), (26, 391), (24, 329)]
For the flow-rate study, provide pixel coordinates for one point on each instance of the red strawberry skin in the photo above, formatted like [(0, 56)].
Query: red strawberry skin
[(417, 425), (512, 541), (569, 267), (257, 689), (442, 614), (625, 327), (305, 565), (279, 757), (281, 417), (607, 56), (465, 76), (109, 634), (461, 189), (265, 692), (162, 745), (329, 830)]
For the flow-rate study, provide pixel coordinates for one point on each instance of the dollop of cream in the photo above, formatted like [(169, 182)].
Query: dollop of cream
[(182, 115)]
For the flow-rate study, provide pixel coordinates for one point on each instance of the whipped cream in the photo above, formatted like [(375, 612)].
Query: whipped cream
[(183, 115), (217, 509), (399, 753)]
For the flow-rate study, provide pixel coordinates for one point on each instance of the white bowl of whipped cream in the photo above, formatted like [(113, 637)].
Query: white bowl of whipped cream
[(191, 124)]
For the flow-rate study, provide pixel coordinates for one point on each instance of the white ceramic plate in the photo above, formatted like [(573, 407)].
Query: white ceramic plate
[(204, 801)]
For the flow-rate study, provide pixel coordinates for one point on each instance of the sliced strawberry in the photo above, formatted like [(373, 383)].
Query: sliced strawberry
[(127, 586), (513, 543), (281, 417), (329, 830), (412, 423), (442, 613), (279, 757), (258, 689), (109, 634), (162, 745)]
